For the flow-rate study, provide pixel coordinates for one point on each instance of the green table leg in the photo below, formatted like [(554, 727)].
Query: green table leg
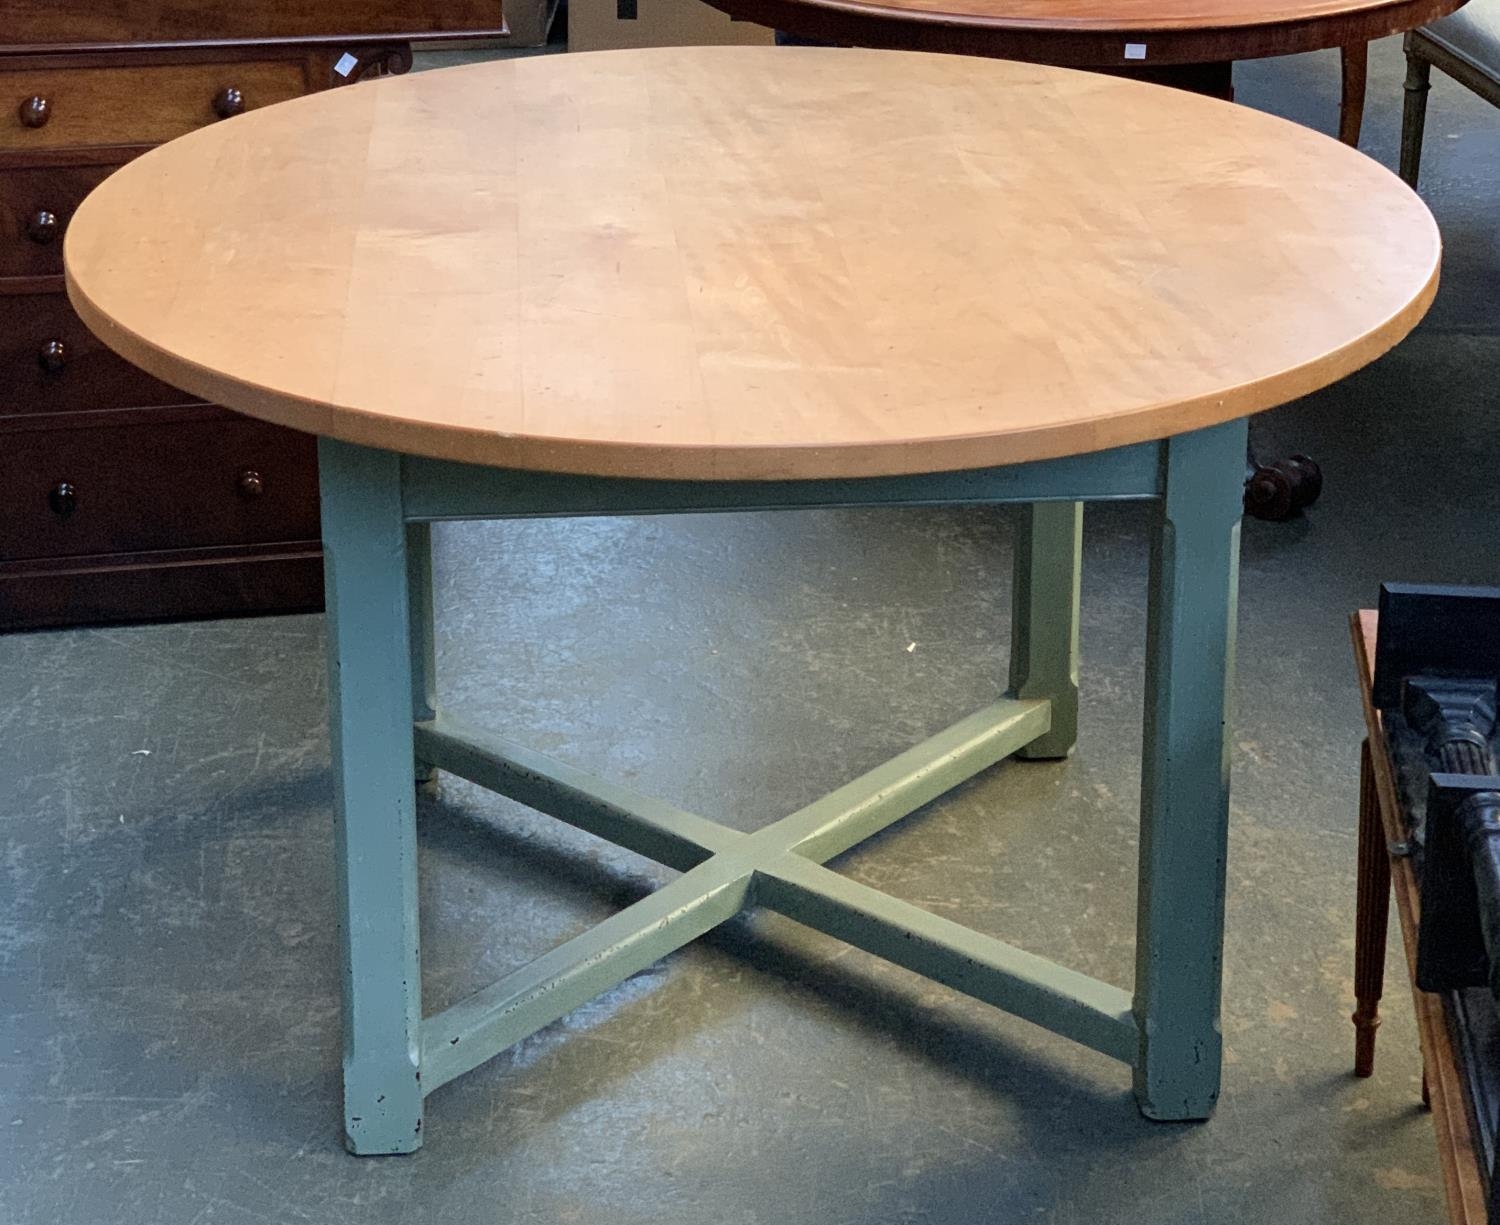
[(1185, 774), (370, 699), (1044, 619), (380, 643), (423, 653)]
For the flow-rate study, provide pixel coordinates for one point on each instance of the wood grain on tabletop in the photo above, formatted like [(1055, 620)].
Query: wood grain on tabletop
[(735, 262)]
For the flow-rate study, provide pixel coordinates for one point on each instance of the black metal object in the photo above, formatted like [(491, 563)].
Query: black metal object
[(1429, 630), (1437, 679), (1281, 490), (1278, 489), (1460, 885)]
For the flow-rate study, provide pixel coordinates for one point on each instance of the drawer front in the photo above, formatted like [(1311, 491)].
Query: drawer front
[(176, 485), (31, 22), (51, 363), (57, 108), (35, 208)]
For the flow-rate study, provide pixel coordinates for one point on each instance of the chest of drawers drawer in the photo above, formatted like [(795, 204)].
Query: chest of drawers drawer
[(128, 488), (36, 204), (41, 23), (51, 108), (51, 363), (122, 498)]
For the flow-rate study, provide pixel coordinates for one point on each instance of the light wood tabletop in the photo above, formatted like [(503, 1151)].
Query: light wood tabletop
[(757, 263)]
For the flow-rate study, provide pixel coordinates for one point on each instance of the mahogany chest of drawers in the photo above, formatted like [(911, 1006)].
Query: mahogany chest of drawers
[(122, 498)]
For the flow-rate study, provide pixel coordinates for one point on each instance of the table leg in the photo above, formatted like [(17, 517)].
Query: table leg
[(370, 699), (1044, 619), (423, 654), (1414, 112), (1185, 775), (1372, 914), (1354, 62)]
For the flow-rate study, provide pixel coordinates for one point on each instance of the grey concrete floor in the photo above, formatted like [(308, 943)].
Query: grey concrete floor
[(168, 1010)]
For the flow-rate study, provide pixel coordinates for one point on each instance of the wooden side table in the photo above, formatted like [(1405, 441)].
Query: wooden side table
[(739, 279), (1379, 874)]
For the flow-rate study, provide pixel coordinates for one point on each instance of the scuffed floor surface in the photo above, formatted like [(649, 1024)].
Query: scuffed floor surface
[(168, 1013)]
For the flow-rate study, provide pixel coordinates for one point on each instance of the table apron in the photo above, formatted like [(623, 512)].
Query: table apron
[(433, 489)]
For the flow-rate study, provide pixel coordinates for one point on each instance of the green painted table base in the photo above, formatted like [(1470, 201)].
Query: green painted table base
[(385, 717)]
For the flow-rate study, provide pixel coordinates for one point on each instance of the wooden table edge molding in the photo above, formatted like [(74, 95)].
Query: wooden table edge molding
[(953, 453), (1463, 1182)]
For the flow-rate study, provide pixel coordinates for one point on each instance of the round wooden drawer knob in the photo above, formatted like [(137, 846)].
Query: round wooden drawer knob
[(52, 356), (229, 102), (42, 227), (250, 484), (35, 111), (63, 499)]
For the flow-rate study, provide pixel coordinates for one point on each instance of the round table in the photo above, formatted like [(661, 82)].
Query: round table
[(728, 279)]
